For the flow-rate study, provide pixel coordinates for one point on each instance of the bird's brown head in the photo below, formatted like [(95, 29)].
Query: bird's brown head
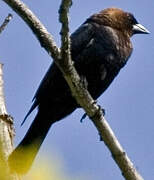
[(120, 20)]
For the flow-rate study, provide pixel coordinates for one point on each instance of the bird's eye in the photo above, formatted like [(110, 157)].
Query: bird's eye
[(131, 19)]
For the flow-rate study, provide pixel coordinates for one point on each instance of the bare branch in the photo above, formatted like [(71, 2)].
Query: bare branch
[(79, 92), (5, 23), (6, 135), (65, 37), (85, 100), (119, 155)]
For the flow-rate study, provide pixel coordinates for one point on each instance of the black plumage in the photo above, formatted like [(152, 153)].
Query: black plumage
[(100, 47)]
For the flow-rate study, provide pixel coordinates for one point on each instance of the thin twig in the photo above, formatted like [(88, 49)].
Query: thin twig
[(81, 94), (65, 36), (5, 23)]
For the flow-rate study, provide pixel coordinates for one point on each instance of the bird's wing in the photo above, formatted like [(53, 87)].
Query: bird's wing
[(34, 105), (43, 85), (79, 40)]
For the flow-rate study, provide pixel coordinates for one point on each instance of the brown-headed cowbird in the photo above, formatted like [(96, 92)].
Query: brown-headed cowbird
[(100, 47)]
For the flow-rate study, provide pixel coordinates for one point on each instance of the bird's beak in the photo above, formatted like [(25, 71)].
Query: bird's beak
[(139, 29)]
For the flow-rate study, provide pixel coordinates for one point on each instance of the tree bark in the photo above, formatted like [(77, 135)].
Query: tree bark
[(6, 135)]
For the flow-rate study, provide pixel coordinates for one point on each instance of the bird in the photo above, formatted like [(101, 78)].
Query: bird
[(100, 48)]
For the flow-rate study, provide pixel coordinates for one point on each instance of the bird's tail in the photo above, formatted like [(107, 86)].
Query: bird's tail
[(23, 156)]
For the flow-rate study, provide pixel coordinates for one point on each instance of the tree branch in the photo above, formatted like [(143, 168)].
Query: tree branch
[(5, 23), (6, 135), (79, 92), (6, 125), (85, 100)]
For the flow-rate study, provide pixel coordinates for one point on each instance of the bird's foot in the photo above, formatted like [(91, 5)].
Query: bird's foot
[(100, 108), (85, 114)]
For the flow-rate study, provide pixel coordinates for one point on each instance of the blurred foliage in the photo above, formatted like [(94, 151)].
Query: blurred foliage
[(50, 168)]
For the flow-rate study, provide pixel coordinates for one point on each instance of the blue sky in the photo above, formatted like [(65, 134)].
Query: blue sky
[(129, 101)]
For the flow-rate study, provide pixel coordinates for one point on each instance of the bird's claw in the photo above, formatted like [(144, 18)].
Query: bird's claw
[(83, 117), (85, 114), (102, 109)]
